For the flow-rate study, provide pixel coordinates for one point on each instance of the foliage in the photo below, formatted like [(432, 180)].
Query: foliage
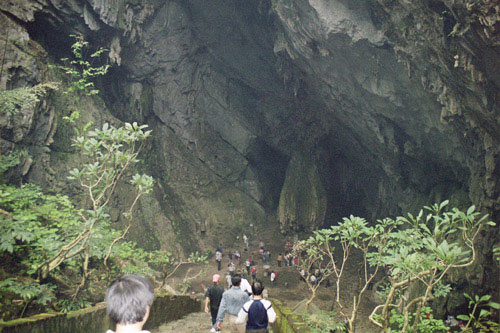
[(67, 305), (34, 224), (426, 324), (81, 70), (29, 290), (168, 263), (14, 100), (413, 253), (315, 260), (481, 321), (8, 161), (42, 232), (423, 253), (109, 152), (323, 321)]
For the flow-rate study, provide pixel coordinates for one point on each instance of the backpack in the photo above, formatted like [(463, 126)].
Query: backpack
[(257, 316)]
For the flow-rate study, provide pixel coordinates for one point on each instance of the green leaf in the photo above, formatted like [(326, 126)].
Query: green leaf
[(484, 313), (485, 298), (494, 305), (463, 317), (443, 204)]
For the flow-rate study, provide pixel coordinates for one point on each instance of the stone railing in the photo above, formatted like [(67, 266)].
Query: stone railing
[(95, 320), (287, 321)]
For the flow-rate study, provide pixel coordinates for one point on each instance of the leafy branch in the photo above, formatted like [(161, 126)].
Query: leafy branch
[(110, 152)]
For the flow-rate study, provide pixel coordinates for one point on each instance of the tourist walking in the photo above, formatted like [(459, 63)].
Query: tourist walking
[(213, 297), (244, 285), (257, 312), (231, 303), (273, 278), (248, 263), (245, 240), (218, 259), (253, 271), (237, 256), (280, 259), (231, 268)]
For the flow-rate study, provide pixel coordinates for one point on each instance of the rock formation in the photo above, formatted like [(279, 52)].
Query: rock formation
[(397, 102), (303, 201)]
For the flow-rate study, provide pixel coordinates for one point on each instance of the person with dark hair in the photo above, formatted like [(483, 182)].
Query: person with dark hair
[(232, 301), (218, 259), (128, 301), (244, 285), (253, 271), (257, 312), (214, 297)]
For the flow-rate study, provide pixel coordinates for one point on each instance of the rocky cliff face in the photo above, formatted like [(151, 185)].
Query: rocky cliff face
[(394, 103)]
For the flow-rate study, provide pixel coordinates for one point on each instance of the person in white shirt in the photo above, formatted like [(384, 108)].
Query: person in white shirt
[(273, 278), (128, 301), (257, 312), (245, 285)]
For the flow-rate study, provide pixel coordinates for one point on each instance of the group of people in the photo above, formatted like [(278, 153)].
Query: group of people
[(234, 258), (237, 306), (234, 261), (241, 307), (129, 300), (288, 258)]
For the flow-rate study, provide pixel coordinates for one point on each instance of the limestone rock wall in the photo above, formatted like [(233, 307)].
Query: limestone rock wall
[(396, 101), (302, 203)]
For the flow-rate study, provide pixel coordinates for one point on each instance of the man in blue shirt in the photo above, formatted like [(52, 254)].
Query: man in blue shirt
[(232, 301)]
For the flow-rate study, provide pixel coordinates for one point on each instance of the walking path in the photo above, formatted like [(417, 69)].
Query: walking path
[(195, 322), (288, 287)]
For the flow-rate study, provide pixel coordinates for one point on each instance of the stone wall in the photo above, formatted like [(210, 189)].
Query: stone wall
[(92, 320), (286, 319)]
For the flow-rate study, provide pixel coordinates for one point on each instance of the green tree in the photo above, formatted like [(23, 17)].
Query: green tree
[(423, 253), (32, 227), (315, 255), (83, 68), (168, 263), (110, 151), (416, 254)]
